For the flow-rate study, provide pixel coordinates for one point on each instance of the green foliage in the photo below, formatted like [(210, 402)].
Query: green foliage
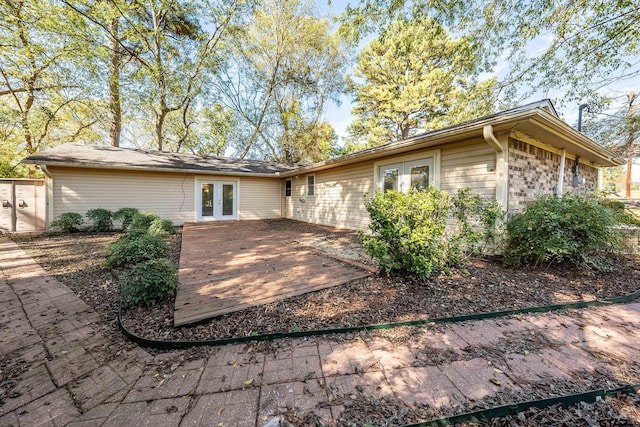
[(125, 215), (100, 220), (415, 77), (68, 222), (132, 249), (623, 215), (477, 220), (574, 229), (148, 283), (408, 232), (161, 227), (141, 222)]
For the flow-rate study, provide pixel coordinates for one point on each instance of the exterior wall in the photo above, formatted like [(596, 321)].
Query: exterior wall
[(259, 198), (470, 165), (169, 195), (534, 171), (339, 198)]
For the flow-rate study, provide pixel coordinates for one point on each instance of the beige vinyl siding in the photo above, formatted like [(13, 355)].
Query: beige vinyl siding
[(260, 198), (340, 193), (169, 195), (339, 197), (470, 165)]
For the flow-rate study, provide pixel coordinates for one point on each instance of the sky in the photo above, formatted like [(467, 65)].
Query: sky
[(339, 115)]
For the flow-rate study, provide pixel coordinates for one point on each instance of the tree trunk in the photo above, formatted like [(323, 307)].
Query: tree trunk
[(115, 106), (160, 117), (631, 133)]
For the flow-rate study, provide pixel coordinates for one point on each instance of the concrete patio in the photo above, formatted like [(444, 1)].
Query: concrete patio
[(66, 379)]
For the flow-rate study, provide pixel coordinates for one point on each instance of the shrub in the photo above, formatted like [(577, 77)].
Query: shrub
[(161, 227), (574, 229), (623, 215), (141, 221), (406, 231), (477, 221), (125, 215), (132, 249), (100, 220), (68, 222), (409, 231), (148, 283)]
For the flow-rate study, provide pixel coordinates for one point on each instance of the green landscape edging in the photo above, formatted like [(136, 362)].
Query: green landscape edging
[(177, 344), (485, 415)]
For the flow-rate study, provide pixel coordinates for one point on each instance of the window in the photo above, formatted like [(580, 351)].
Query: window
[(311, 184), (403, 175), (420, 177), (390, 180), (287, 188)]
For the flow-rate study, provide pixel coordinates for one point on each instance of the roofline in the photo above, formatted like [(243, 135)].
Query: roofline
[(435, 138), (150, 169)]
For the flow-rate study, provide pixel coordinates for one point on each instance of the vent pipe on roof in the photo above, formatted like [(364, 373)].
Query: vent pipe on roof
[(580, 108)]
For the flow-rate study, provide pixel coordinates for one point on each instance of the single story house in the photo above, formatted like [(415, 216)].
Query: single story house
[(514, 156)]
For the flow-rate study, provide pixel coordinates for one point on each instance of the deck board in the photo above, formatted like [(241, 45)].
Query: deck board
[(231, 266)]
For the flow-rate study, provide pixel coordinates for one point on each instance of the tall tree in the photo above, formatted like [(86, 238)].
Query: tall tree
[(280, 72), (415, 77), (41, 79), (577, 46)]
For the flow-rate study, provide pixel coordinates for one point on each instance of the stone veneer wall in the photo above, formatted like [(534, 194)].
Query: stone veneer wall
[(534, 172)]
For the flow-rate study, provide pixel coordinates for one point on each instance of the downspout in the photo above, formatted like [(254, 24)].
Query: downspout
[(490, 138), (501, 168), (560, 187), (49, 190)]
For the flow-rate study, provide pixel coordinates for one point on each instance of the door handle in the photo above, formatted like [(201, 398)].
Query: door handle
[(6, 204), (22, 204)]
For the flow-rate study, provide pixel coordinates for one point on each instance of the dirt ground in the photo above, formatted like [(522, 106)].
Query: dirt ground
[(482, 285)]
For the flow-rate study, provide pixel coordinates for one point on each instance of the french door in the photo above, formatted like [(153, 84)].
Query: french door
[(217, 200)]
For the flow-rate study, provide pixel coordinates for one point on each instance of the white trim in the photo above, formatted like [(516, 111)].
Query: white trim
[(306, 185), (198, 181), (435, 154)]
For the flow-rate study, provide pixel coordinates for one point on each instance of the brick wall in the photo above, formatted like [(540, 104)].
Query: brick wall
[(534, 172)]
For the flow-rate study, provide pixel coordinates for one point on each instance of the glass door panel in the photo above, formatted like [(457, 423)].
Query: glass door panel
[(227, 199), (206, 206), (389, 176)]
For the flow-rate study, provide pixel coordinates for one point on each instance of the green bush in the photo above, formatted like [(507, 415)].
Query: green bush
[(141, 221), (408, 232), (132, 249), (68, 222), (148, 283), (161, 227), (574, 229), (477, 220), (125, 216), (100, 220), (623, 215)]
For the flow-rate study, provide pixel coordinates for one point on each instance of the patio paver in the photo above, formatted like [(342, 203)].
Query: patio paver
[(233, 265), (68, 381)]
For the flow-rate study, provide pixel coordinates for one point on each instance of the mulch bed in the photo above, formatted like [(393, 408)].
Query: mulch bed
[(484, 285)]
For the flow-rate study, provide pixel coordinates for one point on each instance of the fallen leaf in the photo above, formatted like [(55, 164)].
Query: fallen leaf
[(497, 371), (249, 382), (495, 381), (220, 410), (526, 352)]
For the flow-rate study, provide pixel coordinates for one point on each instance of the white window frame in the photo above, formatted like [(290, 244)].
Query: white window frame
[(434, 154), (306, 183)]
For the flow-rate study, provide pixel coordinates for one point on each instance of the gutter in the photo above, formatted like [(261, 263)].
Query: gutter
[(438, 137), (44, 163)]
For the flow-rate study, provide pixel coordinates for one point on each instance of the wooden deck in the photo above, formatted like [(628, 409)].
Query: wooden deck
[(230, 266)]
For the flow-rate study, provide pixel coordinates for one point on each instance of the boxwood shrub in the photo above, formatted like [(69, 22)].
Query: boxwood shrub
[(101, 220), (161, 227), (552, 230), (68, 222), (134, 248), (125, 216), (141, 221), (148, 283)]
